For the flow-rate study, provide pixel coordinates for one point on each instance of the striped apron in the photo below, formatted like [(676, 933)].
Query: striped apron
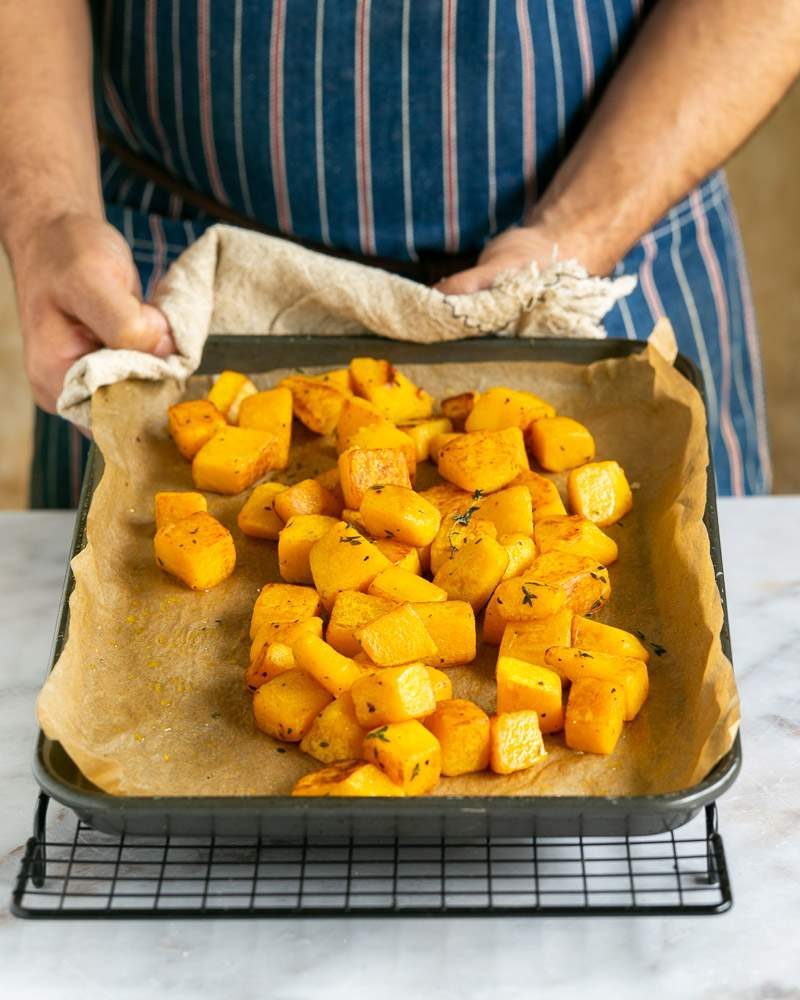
[(401, 129)]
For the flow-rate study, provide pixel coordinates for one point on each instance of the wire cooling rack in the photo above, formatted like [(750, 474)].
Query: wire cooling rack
[(70, 870)]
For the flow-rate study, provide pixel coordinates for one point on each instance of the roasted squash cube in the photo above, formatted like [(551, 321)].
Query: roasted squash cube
[(521, 553), (336, 673), (393, 695), (396, 638), (441, 684), (522, 685), (455, 531), (499, 407), (351, 611), (484, 460), (628, 672), (424, 431), (257, 518), (458, 408), (233, 459), (229, 391), (510, 511), (399, 514), (560, 443), (355, 414), (600, 492), (286, 706), (192, 423), (399, 585), (473, 572), (451, 625), (335, 733), (584, 581), (361, 468), (405, 557), (285, 632), (592, 635), (274, 659), (285, 602), (522, 599), (385, 435), (344, 560), (438, 442), (271, 411), (295, 542), (515, 742), (315, 403), (577, 535), (463, 731), (198, 550), (595, 715), (347, 779), (171, 507), (544, 493), (407, 753), (393, 393), (530, 640), (307, 497)]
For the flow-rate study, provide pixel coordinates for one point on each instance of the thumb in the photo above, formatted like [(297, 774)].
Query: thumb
[(119, 319), (475, 279)]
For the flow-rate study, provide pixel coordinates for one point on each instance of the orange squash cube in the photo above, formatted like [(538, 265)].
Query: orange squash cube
[(315, 403), (198, 550), (228, 392), (463, 731), (361, 468), (257, 518), (423, 432), (385, 435), (192, 423), (499, 407), (394, 694), (628, 672), (286, 706), (473, 572), (515, 742), (510, 511), (336, 673), (522, 599), (295, 542), (171, 507), (335, 733), (399, 585), (396, 638), (347, 779), (530, 640), (405, 557), (451, 625), (592, 635), (600, 492), (484, 460), (306, 497), (355, 414), (351, 611), (458, 408), (577, 535), (595, 716), (399, 514), (407, 753), (284, 603), (545, 498), (233, 459), (274, 659), (522, 685), (585, 582), (438, 442), (455, 531), (283, 632), (395, 395), (344, 560), (560, 443), (441, 684), (521, 553), (271, 411)]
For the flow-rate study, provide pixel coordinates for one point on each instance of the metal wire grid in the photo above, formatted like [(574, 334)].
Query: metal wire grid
[(90, 874)]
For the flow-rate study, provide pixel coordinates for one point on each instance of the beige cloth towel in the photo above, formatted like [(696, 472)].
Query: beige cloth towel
[(237, 281)]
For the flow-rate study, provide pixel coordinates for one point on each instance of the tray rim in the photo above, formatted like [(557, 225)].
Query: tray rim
[(95, 801)]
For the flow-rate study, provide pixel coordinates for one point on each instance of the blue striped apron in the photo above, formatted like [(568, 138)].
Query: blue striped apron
[(405, 127)]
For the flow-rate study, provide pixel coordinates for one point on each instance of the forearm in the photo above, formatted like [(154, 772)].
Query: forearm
[(48, 152), (697, 81)]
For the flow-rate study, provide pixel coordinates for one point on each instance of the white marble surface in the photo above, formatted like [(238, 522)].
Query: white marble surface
[(754, 951)]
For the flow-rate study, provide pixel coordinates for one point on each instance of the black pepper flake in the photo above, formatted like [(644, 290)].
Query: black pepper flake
[(280, 749), (324, 743), (289, 730), (365, 559), (585, 656), (370, 707), (415, 772), (389, 533), (658, 650)]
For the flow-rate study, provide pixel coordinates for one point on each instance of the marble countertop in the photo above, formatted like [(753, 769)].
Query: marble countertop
[(753, 951)]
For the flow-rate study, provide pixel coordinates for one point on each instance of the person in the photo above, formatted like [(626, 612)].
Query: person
[(446, 139)]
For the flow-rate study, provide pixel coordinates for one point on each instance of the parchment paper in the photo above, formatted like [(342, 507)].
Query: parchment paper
[(148, 696)]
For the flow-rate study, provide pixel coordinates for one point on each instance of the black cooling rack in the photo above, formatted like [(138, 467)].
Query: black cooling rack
[(70, 870)]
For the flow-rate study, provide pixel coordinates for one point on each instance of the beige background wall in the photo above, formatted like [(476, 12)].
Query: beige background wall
[(763, 177)]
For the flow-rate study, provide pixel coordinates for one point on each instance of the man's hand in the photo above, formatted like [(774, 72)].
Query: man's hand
[(78, 290)]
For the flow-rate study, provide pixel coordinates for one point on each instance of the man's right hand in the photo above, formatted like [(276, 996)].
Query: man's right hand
[(78, 290)]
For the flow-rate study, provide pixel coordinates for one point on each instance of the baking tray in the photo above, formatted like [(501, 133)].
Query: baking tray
[(284, 817)]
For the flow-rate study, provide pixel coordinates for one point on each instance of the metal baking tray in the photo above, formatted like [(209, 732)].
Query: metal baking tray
[(283, 817)]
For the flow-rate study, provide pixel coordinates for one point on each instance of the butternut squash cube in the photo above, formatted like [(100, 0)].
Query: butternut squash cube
[(458, 408), (510, 511), (530, 640), (423, 432), (257, 518), (405, 557), (560, 443), (351, 611), (521, 553), (522, 599), (454, 533), (577, 535), (592, 635), (451, 625), (355, 414), (399, 514), (463, 731), (484, 460), (315, 403), (385, 435), (336, 673), (284, 603), (522, 685), (393, 695), (171, 507), (347, 779), (274, 659), (192, 423), (286, 706), (228, 392), (295, 542), (361, 468), (335, 733), (396, 638), (595, 716), (447, 499), (344, 560), (395, 395), (515, 742), (544, 493), (306, 497), (628, 672), (407, 753), (473, 572), (600, 492), (438, 441), (233, 459), (399, 585), (198, 550), (584, 581), (284, 632), (271, 411), (499, 407)]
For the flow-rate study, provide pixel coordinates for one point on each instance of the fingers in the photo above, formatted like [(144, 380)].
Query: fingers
[(475, 279)]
